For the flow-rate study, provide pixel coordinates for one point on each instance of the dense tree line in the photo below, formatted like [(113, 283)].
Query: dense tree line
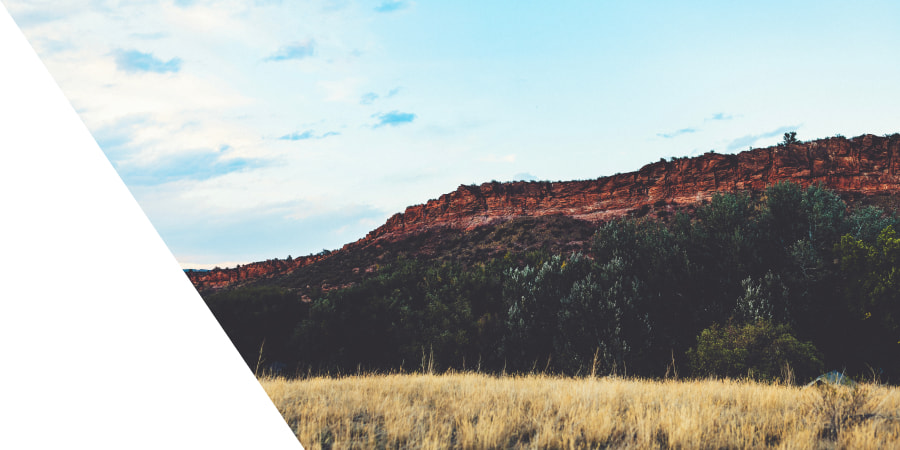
[(746, 285)]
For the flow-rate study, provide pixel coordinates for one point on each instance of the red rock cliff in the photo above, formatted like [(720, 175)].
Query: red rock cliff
[(220, 278), (863, 165)]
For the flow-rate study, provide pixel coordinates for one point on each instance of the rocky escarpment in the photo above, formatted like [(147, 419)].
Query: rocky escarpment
[(865, 165), (220, 278)]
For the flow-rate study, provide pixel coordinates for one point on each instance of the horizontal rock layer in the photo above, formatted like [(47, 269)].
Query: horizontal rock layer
[(864, 165)]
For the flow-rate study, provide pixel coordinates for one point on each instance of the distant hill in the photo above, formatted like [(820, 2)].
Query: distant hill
[(478, 222)]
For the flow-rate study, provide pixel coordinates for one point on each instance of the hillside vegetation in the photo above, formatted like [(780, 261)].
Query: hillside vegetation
[(475, 411), (781, 285)]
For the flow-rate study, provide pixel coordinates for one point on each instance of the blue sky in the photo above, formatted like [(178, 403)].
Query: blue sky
[(250, 130)]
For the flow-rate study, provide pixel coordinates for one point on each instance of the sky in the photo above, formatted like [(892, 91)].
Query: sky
[(251, 130)]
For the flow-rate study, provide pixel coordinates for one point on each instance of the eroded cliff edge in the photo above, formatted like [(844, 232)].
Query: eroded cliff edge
[(861, 166)]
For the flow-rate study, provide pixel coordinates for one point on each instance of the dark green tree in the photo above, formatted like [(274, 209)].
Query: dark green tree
[(871, 279), (790, 138), (534, 295), (259, 320), (758, 350), (867, 222)]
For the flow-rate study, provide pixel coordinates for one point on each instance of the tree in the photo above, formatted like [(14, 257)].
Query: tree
[(534, 295), (782, 214), (873, 279), (867, 222), (600, 318), (253, 315), (790, 138), (759, 350), (764, 299), (645, 271), (825, 215)]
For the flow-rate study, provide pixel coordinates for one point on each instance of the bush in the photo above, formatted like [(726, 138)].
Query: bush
[(761, 350), (790, 138)]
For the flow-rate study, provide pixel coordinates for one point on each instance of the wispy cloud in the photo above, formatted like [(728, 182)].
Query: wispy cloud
[(297, 50), (391, 6), (308, 134), (297, 136), (748, 140), (37, 16), (715, 117), (368, 98), (677, 133), (393, 118), (721, 116), (185, 166), (132, 61), (117, 138)]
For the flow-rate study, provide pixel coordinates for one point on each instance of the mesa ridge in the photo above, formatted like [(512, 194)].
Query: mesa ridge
[(866, 165)]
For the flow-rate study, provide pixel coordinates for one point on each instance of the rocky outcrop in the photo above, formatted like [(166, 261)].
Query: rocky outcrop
[(219, 278), (864, 165)]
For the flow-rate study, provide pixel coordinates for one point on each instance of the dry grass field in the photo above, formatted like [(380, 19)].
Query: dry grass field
[(475, 411)]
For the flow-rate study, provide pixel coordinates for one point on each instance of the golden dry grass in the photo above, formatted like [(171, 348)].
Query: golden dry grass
[(474, 411)]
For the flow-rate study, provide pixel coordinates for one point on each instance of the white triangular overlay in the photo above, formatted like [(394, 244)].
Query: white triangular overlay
[(105, 343)]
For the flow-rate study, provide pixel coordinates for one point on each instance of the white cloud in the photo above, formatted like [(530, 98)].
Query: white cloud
[(472, 103)]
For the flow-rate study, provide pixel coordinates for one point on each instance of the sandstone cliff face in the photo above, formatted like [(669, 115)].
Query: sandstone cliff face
[(220, 278), (863, 165)]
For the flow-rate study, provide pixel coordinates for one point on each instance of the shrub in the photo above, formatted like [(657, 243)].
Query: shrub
[(790, 138), (760, 350)]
